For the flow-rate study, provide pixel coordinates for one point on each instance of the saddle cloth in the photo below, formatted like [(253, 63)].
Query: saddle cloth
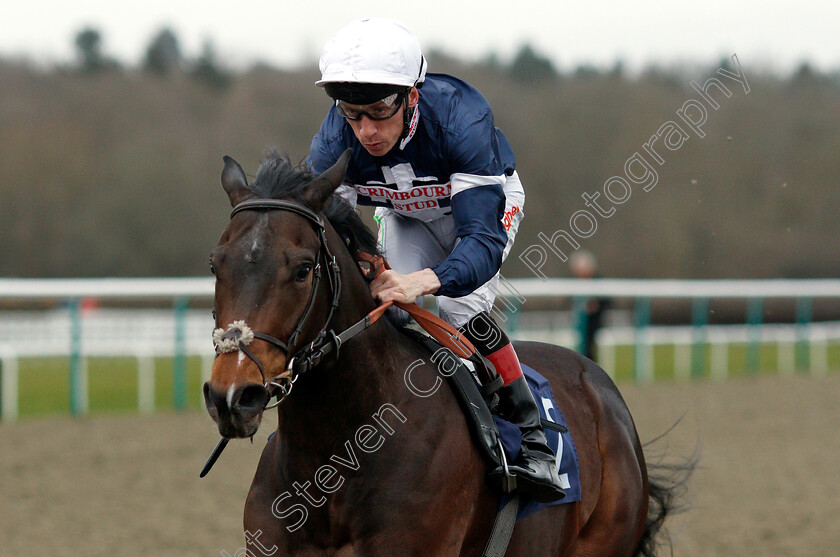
[(560, 442)]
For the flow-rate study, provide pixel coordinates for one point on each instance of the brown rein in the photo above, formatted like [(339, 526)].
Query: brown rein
[(328, 340), (442, 331)]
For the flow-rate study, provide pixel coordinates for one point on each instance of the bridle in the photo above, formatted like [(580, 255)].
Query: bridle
[(238, 335)]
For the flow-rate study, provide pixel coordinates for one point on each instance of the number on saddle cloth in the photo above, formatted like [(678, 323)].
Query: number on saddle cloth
[(559, 440)]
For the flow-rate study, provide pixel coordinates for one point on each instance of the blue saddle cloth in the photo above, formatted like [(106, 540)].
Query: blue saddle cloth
[(561, 443)]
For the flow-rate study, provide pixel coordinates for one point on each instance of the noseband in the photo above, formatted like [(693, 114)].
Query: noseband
[(238, 335)]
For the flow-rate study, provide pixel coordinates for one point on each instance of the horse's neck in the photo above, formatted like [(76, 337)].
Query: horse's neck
[(328, 406), (346, 389)]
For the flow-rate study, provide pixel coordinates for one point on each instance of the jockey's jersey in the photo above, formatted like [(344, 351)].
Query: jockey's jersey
[(453, 163)]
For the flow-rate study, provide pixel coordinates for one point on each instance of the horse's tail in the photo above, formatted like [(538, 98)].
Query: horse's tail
[(667, 490)]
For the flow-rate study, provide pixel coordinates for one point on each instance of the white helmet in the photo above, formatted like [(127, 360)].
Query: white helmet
[(373, 51)]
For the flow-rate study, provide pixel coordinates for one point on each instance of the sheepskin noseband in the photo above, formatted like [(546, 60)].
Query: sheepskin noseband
[(237, 334)]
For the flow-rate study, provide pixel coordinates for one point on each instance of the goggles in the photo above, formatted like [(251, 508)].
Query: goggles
[(381, 110)]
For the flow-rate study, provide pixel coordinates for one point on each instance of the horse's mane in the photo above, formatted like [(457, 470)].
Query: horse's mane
[(278, 178)]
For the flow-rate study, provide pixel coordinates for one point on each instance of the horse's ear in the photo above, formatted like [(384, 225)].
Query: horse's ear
[(322, 187), (235, 182)]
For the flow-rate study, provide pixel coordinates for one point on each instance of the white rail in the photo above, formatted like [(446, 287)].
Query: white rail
[(106, 289), (655, 288), (66, 330)]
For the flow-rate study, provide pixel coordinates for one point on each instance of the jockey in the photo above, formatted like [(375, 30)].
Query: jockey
[(447, 195)]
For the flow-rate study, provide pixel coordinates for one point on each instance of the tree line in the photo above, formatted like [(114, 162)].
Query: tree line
[(114, 171), (163, 56)]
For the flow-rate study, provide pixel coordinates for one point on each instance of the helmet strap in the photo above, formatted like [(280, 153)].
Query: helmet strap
[(407, 114), (412, 117)]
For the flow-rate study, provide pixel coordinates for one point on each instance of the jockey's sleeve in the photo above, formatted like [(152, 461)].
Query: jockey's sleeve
[(321, 151), (477, 212)]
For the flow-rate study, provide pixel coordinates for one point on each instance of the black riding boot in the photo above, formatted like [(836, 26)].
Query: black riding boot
[(535, 469)]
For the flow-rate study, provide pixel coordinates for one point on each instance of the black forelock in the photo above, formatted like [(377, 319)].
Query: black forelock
[(278, 178)]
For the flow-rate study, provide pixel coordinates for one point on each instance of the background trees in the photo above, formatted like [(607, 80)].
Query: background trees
[(116, 173)]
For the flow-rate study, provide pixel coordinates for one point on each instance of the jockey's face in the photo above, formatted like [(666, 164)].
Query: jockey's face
[(379, 136)]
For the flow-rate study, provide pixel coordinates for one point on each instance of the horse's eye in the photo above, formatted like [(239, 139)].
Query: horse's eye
[(212, 269), (303, 272)]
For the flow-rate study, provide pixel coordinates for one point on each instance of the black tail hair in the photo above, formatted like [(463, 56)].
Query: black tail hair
[(668, 488)]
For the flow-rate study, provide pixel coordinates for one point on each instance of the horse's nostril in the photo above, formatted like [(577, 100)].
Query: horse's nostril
[(252, 399), (214, 401), (211, 397)]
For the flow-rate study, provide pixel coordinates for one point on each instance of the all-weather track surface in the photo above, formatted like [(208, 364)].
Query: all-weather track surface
[(128, 485)]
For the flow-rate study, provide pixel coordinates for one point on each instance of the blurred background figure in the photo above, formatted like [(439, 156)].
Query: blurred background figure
[(584, 266)]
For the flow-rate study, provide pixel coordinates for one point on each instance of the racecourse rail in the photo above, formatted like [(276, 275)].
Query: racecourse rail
[(53, 317)]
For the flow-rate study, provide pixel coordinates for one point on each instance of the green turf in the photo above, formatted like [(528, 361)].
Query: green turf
[(741, 362), (44, 385)]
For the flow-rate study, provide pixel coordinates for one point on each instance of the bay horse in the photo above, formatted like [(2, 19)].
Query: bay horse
[(360, 465)]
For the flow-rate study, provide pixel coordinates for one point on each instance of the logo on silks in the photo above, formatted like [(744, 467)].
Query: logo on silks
[(562, 444), (507, 220), (421, 197)]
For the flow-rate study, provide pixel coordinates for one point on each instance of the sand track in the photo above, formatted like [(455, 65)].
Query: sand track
[(128, 485)]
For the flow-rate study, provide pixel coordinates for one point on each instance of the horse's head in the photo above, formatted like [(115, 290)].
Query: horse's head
[(271, 263)]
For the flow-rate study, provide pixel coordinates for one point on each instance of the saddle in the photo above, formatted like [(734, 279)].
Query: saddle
[(497, 440), (478, 399)]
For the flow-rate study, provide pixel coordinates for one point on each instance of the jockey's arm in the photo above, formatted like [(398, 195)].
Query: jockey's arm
[(477, 212), (477, 257)]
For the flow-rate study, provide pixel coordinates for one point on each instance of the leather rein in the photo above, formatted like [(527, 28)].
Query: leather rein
[(238, 335)]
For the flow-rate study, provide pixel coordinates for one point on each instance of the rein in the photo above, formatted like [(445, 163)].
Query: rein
[(327, 341), (238, 335)]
